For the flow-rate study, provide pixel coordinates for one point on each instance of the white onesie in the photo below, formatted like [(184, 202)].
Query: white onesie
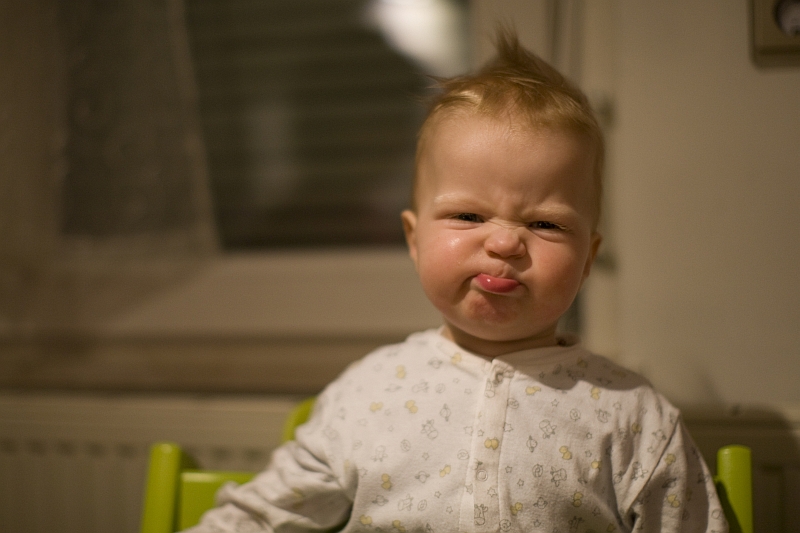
[(424, 436)]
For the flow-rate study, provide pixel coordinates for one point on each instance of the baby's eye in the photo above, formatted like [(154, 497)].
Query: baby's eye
[(543, 224), (468, 217)]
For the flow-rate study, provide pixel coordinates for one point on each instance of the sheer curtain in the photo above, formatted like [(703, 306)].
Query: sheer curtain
[(121, 205)]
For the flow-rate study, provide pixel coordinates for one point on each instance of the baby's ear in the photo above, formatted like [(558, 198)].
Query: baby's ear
[(410, 229)]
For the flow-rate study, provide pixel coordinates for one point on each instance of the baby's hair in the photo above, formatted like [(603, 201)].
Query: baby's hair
[(518, 83)]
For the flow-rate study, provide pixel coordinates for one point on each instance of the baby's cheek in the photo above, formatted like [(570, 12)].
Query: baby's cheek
[(437, 265), (561, 271), (434, 285)]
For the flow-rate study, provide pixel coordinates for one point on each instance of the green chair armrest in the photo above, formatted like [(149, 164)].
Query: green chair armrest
[(198, 489)]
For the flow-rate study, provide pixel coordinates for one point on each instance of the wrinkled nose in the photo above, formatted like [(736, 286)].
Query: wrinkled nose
[(505, 242)]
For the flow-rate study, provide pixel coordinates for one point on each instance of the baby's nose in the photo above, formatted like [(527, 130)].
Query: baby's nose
[(504, 240)]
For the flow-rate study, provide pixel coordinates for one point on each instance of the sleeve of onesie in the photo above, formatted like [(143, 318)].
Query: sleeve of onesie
[(680, 494), (298, 491)]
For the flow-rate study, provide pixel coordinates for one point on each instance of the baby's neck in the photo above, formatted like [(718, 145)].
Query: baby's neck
[(495, 348)]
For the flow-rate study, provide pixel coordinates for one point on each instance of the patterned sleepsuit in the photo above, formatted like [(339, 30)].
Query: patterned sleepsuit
[(424, 436)]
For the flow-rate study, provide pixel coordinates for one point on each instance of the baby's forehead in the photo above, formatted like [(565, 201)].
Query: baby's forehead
[(448, 125), (457, 117), (506, 122)]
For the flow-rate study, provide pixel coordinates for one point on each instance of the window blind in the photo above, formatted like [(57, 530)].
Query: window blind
[(309, 120)]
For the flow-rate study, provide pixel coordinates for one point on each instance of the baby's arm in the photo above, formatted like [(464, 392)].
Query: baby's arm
[(296, 488), (299, 487), (680, 494)]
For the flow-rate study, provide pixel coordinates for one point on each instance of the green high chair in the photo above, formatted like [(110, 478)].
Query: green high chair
[(178, 493)]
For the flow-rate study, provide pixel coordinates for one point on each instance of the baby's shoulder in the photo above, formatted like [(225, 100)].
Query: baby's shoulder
[(615, 392), (389, 367), (604, 372), (639, 398), (416, 350)]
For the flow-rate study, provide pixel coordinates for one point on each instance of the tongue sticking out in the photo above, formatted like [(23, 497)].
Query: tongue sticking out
[(493, 284)]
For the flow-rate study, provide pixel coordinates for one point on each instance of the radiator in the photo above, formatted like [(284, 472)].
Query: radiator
[(76, 463)]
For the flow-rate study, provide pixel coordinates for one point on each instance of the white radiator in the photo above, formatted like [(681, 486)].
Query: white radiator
[(76, 463)]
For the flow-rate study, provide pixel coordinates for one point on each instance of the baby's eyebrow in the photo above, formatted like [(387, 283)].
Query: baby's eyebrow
[(547, 210), (453, 198), (553, 211)]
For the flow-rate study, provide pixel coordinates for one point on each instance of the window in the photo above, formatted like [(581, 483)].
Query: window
[(309, 111)]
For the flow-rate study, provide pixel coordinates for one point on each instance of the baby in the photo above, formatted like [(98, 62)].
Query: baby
[(493, 422)]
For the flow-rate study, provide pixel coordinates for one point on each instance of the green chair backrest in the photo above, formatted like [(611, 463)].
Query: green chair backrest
[(297, 417), (734, 482), (177, 493)]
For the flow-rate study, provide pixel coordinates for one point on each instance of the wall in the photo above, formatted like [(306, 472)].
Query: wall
[(707, 205)]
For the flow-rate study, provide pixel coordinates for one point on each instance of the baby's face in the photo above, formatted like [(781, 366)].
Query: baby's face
[(503, 235)]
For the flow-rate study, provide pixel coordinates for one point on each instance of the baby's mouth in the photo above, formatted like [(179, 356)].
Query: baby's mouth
[(496, 285)]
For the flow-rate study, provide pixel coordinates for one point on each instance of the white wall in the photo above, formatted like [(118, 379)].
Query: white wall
[(707, 205)]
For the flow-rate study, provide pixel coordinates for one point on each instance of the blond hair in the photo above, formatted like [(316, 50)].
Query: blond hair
[(518, 84)]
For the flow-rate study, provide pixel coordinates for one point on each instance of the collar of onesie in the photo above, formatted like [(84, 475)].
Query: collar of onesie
[(566, 352)]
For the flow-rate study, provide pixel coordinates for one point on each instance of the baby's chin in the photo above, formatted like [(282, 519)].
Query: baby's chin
[(487, 311)]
